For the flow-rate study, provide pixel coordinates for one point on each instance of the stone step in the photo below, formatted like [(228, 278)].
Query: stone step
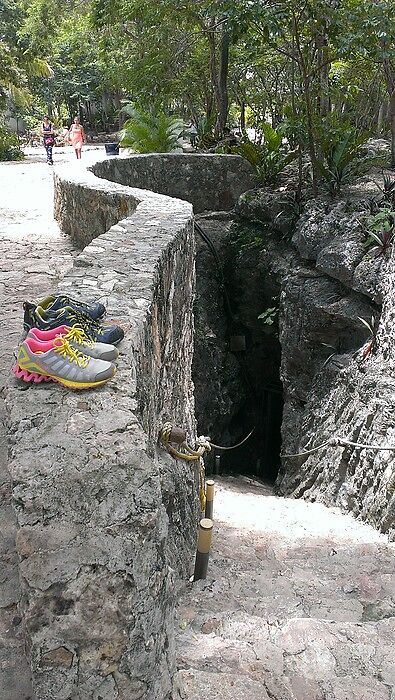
[(283, 607), (299, 647), (195, 685), (300, 582), (298, 605)]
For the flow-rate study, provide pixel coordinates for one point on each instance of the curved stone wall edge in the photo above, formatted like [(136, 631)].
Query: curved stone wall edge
[(106, 519), (209, 181)]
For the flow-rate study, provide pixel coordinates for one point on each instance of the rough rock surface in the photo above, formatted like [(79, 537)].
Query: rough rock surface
[(327, 284), (104, 517), (34, 255), (298, 605), (331, 235), (209, 181), (318, 313), (75, 215), (268, 207), (352, 397)]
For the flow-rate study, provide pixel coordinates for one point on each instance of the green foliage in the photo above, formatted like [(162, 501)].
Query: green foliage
[(270, 315), (270, 157), (387, 199), (249, 236), (380, 231), (340, 148), (285, 62), (205, 127), (150, 133), (9, 147)]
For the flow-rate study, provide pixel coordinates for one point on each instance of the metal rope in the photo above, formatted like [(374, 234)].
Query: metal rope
[(337, 442), (232, 447)]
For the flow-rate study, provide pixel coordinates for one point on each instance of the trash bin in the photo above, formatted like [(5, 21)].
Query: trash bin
[(112, 149)]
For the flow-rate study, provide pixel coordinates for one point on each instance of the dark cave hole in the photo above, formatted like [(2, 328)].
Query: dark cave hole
[(262, 409), (259, 456), (236, 367)]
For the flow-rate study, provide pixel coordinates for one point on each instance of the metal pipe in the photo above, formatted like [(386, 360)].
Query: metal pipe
[(203, 549), (177, 435), (209, 499)]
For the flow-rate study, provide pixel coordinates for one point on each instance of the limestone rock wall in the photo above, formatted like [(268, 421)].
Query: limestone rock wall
[(328, 284), (106, 518), (351, 397), (210, 182)]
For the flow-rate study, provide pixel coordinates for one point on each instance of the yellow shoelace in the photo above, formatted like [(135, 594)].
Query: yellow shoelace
[(63, 347), (77, 334)]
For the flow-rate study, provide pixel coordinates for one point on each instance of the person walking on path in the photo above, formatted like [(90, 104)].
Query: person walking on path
[(77, 136), (48, 135)]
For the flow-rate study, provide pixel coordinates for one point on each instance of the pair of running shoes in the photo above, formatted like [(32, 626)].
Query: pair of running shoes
[(66, 343)]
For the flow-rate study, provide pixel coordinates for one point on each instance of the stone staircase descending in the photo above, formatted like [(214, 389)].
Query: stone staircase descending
[(299, 604)]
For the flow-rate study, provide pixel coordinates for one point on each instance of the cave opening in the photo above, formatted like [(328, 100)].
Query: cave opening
[(259, 455), (260, 411), (237, 360)]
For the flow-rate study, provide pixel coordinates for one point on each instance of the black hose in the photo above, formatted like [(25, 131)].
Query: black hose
[(215, 255)]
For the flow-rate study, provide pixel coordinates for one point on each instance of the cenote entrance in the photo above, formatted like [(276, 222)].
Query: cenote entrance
[(237, 357), (259, 455)]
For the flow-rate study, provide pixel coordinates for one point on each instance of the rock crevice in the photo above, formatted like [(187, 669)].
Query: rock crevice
[(333, 384)]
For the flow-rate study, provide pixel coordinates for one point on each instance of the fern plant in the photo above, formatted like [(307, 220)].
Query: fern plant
[(150, 133)]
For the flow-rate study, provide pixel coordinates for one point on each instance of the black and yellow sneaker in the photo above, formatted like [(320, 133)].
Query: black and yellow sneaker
[(37, 317), (53, 303)]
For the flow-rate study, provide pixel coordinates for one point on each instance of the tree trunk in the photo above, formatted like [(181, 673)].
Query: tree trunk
[(219, 76), (323, 69), (118, 105), (210, 34), (389, 75), (381, 118), (222, 91), (242, 117), (392, 126), (306, 86)]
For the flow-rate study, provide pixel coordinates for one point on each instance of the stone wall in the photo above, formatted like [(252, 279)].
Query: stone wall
[(210, 182), (73, 205), (105, 518)]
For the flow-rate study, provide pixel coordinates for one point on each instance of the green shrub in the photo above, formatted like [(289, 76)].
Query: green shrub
[(150, 133), (380, 231), (340, 147), (9, 146), (270, 157)]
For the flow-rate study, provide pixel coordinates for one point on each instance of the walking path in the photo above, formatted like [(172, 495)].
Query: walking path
[(34, 255), (299, 604)]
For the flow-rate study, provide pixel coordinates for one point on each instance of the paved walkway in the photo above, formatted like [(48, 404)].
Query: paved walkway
[(299, 604), (34, 255)]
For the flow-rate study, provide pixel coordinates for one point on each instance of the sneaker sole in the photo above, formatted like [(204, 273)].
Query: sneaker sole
[(37, 378)]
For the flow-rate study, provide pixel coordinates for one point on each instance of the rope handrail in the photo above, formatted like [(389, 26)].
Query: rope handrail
[(203, 444), (190, 454)]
